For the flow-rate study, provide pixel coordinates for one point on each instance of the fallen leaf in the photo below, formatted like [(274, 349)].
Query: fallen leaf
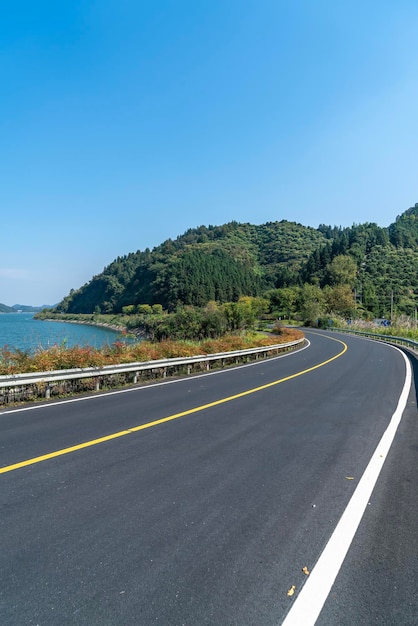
[(291, 590), (305, 570)]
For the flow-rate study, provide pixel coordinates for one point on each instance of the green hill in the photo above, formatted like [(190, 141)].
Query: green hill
[(28, 308), (218, 263), (6, 309), (222, 263)]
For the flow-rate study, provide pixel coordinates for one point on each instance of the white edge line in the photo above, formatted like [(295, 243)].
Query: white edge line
[(312, 597), (45, 405)]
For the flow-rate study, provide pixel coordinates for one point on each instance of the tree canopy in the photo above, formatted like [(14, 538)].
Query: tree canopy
[(377, 266)]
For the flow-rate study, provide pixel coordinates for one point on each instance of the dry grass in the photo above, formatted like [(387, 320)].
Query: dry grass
[(61, 357)]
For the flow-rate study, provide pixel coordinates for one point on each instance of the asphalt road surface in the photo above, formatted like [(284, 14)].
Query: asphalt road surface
[(200, 501)]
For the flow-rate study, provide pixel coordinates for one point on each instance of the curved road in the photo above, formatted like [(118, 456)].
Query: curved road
[(199, 501)]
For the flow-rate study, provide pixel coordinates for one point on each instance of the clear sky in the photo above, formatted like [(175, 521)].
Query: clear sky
[(126, 122)]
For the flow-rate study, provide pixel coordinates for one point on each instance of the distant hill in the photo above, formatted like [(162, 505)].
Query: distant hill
[(222, 263), (6, 309), (27, 308)]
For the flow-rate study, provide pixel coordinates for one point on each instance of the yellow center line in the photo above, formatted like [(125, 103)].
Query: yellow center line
[(202, 407)]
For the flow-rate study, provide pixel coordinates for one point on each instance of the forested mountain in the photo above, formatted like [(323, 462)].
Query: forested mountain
[(222, 263), (218, 263)]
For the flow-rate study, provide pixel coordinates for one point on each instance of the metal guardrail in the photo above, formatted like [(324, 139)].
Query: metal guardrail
[(403, 341), (18, 382)]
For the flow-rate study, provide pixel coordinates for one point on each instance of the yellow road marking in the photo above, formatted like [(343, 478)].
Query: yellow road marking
[(202, 407)]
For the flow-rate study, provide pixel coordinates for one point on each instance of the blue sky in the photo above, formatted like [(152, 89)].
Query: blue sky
[(124, 123)]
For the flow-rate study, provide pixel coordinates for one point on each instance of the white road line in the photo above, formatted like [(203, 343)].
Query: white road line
[(308, 605)]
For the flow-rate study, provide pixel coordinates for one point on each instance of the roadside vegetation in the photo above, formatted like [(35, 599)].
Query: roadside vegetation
[(61, 357), (401, 326), (155, 333), (188, 331)]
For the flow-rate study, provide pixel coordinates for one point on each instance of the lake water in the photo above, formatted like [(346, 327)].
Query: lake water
[(20, 330)]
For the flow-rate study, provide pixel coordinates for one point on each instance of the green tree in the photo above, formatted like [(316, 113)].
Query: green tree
[(128, 309), (283, 300), (311, 303), (144, 309), (340, 300), (234, 315), (342, 270)]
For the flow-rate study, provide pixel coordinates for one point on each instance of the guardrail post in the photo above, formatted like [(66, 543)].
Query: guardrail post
[(135, 379), (47, 391), (97, 387)]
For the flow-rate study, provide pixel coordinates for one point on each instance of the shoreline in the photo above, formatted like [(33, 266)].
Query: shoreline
[(113, 328), (119, 330)]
